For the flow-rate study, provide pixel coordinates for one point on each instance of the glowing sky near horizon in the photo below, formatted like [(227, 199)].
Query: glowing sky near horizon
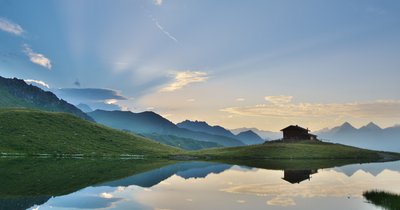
[(260, 63)]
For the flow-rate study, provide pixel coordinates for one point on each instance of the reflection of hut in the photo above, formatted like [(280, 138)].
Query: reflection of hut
[(295, 132), (297, 176)]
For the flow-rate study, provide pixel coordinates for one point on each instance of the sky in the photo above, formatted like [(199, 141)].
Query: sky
[(259, 63)]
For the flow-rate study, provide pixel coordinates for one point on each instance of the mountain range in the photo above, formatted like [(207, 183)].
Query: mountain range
[(150, 122), (247, 136), (369, 136), (16, 93), (267, 135)]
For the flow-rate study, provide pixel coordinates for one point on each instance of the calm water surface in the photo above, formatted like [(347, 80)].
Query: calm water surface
[(205, 185)]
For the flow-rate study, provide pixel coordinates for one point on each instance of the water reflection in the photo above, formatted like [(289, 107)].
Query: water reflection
[(191, 185), (297, 176)]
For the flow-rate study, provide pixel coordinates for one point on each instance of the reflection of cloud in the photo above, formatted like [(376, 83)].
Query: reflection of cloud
[(241, 201), (10, 27), (83, 202), (380, 108), (39, 82), (281, 201), (37, 58), (106, 195), (279, 99), (185, 78)]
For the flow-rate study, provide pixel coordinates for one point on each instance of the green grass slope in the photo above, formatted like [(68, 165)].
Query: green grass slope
[(15, 93), (295, 150), (38, 132), (180, 142)]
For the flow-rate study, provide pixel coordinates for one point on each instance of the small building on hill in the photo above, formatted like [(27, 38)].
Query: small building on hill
[(295, 132)]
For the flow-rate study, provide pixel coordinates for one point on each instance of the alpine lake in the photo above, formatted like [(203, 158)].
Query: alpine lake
[(85, 183)]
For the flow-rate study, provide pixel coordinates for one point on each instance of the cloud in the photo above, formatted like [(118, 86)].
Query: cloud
[(10, 27), (77, 83), (185, 78), (374, 109), (279, 99), (96, 98), (94, 94), (164, 31), (240, 99), (37, 58), (39, 82), (158, 2)]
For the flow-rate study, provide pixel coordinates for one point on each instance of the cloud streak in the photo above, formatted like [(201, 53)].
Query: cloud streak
[(37, 58), (182, 79), (39, 82), (278, 99), (164, 31), (10, 27), (374, 109), (158, 2)]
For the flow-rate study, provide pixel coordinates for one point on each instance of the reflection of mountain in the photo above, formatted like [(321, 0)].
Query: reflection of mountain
[(371, 168), (22, 203), (297, 176), (185, 170)]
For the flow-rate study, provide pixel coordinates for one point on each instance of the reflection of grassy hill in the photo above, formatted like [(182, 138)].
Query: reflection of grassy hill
[(295, 150), (38, 132), (383, 199), (47, 176)]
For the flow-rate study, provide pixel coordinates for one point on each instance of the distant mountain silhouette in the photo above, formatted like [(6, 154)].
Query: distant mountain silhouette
[(267, 135), (15, 93), (249, 137), (370, 136), (206, 128), (150, 122), (84, 107)]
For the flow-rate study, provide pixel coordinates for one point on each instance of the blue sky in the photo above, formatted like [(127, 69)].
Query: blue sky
[(260, 64)]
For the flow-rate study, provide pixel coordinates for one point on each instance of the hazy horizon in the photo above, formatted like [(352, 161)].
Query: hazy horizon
[(262, 64)]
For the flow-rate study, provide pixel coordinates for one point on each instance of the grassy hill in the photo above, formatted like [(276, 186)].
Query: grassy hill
[(15, 93), (38, 132), (294, 150)]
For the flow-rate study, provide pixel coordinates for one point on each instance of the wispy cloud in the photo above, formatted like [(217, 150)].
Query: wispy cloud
[(182, 79), (10, 27), (39, 82), (240, 99), (164, 31), (278, 99), (374, 109), (158, 2), (37, 58)]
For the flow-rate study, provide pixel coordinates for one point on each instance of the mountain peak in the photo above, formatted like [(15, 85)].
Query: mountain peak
[(203, 126), (347, 124), (371, 126), (249, 137)]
